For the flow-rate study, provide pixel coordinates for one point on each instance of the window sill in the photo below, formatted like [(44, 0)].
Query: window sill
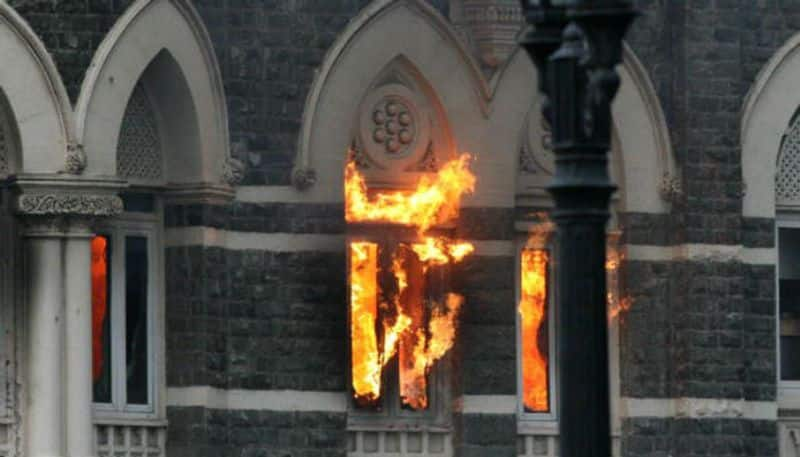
[(129, 421)]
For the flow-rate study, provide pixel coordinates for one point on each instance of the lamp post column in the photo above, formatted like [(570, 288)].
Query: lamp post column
[(579, 82)]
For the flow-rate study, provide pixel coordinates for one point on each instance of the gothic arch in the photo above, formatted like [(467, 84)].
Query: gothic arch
[(165, 39), (643, 145), (485, 117), (384, 31), (767, 114), (36, 98)]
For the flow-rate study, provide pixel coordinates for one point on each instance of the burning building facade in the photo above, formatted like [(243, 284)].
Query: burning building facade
[(320, 228)]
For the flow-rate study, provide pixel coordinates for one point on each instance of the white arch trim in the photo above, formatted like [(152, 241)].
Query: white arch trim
[(147, 28), (36, 94), (769, 106), (485, 118), (640, 126), (344, 44)]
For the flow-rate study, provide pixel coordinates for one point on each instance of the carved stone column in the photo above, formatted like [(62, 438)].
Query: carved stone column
[(78, 339), (44, 418), (59, 346)]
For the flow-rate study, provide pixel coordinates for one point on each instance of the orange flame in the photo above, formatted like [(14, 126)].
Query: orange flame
[(435, 199), (366, 366), (429, 348), (616, 305), (99, 302), (532, 310), (440, 251)]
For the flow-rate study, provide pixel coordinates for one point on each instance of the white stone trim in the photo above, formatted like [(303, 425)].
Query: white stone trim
[(36, 94), (292, 242), (261, 400), (698, 408), (712, 252), (147, 28), (371, 13), (768, 109), (489, 404)]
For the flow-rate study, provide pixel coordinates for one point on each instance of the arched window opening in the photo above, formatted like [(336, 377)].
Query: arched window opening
[(787, 198), (126, 269)]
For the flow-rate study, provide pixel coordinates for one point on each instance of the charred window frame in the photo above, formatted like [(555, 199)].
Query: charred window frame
[(388, 413)]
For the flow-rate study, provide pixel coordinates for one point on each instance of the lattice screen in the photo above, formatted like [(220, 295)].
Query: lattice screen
[(139, 147), (787, 182)]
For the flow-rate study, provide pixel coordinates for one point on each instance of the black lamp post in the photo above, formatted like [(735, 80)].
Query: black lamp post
[(576, 45)]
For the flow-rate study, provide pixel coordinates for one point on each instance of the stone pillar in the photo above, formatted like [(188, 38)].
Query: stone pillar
[(58, 381), (44, 413), (78, 341)]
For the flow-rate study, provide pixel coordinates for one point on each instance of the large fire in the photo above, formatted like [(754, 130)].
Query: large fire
[(434, 201), (420, 329), (533, 310)]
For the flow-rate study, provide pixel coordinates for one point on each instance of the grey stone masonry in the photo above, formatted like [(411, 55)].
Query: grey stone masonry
[(658, 437), (699, 329), (256, 319), (484, 435), (487, 346), (210, 433)]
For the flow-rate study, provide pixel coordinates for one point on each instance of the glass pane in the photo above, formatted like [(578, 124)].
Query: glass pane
[(136, 341), (533, 312), (101, 319), (789, 295)]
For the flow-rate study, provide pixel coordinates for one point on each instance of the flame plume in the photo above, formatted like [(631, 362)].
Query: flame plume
[(366, 366), (419, 339), (435, 200), (532, 310)]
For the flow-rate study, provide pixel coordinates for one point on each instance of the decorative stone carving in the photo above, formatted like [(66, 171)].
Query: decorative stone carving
[(428, 163), (536, 156), (55, 204), (395, 127), (671, 190), (303, 178), (233, 172), (489, 26), (75, 161), (787, 181), (356, 154), (139, 145)]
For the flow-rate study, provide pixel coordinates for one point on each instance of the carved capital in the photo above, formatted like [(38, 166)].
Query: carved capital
[(66, 204), (303, 178), (233, 172), (671, 189), (75, 161)]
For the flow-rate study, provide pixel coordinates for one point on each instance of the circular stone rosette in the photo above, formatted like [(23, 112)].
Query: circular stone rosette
[(394, 126)]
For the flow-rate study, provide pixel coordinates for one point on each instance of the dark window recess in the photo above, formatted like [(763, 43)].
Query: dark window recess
[(138, 203), (136, 350), (789, 295), (101, 318)]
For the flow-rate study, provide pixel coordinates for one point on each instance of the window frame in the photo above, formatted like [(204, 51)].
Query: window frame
[(547, 423), (537, 419), (392, 416), (788, 391), (149, 226)]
